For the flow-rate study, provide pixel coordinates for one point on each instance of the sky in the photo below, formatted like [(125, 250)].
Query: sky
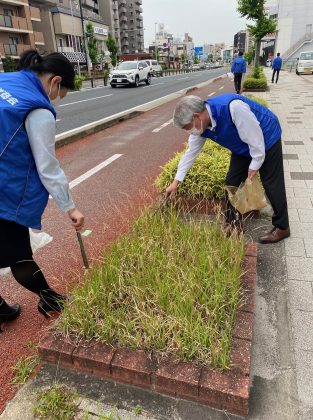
[(206, 21)]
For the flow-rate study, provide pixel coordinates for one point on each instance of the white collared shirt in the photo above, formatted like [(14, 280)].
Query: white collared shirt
[(249, 131)]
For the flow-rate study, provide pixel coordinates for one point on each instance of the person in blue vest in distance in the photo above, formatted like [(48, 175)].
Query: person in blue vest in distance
[(276, 66), (29, 170), (238, 68), (253, 134)]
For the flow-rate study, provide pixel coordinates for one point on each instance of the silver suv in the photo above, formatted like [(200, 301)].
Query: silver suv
[(130, 73)]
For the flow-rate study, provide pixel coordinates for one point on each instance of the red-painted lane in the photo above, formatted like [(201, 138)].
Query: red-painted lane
[(109, 199)]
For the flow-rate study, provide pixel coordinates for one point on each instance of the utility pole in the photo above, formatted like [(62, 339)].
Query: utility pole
[(168, 52), (84, 36)]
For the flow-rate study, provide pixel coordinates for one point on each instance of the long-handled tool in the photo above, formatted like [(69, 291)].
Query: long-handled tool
[(82, 249)]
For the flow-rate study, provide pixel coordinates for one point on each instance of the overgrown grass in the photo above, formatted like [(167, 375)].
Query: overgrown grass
[(258, 99), (169, 285), (206, 177), (57, 402)]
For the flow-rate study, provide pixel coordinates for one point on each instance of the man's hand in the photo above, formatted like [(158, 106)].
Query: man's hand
[(77, 218), (251, 173), (172, 188)]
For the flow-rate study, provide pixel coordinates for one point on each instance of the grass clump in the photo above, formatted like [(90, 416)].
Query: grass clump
[(206, 177), (256, 80), (258, 99), (57, 402), (23, 368), (169, 285)]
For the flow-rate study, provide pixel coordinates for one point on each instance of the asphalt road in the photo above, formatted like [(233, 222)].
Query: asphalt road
[(86, 106)]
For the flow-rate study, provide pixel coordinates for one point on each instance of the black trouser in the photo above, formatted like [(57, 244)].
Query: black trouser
[(272, 177), (277, 75), (237, 81)]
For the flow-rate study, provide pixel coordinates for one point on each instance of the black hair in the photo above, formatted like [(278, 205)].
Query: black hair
[(278, 54), (240, 52), (54, 63)]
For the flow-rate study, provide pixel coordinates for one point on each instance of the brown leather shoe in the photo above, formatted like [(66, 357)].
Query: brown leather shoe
[(275, 235)]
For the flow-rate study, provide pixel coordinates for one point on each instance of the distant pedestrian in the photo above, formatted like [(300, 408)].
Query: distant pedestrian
[(276, 66), (253, 134), (29, 170), (238, 68)]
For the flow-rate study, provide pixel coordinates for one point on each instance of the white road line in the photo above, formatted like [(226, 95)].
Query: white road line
[(94, 170), (154, 84), (220, 88), (211, 94), (85, 100), (183, 78), (156, 130)]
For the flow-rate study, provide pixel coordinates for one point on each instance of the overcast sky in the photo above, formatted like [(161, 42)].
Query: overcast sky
[(207, 21)]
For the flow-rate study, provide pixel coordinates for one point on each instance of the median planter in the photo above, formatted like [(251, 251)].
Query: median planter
[(170, 309)]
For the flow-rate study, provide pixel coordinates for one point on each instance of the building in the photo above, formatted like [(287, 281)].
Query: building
[(125, 19), (227, 54), (240, 41), (62, 25), (17, 33), (295, 22)]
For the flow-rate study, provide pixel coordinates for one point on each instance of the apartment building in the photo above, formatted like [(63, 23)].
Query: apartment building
[(126, 21), (16, 27), (295, 26)]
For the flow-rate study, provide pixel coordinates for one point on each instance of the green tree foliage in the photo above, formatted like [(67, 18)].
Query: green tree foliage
[(8, 64), (112, 47), (93, 49), (255, 10)]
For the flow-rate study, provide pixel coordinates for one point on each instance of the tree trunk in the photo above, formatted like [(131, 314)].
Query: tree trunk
[(257, 53)]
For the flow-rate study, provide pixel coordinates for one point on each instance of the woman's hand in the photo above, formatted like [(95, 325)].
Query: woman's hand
[(77, 218)]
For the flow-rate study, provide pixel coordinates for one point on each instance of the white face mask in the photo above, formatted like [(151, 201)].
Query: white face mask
[(55, 101), (197, 131)]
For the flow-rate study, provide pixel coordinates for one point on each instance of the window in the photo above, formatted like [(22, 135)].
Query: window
[(13, 40), (143, 64), (8, 12), (306, 55)]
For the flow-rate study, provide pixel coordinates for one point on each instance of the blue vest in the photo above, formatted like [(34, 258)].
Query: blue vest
[(226, 133), (23, 197)]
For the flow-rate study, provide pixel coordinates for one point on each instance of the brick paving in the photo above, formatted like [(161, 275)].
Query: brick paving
[(298, 165)]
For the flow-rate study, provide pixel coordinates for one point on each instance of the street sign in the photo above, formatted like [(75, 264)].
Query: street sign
[(198, 51)]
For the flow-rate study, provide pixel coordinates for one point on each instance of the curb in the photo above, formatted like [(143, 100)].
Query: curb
[(222, 390), (95, 126)]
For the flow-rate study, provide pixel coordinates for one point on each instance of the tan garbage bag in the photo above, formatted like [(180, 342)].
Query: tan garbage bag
[(248, 196)]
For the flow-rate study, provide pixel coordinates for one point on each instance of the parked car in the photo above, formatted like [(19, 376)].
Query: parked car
[(305, 63), (196, 67), (130, 73), (154, 67)]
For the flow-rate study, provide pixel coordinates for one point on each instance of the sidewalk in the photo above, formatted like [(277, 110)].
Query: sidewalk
[(282, 367), (292, 100)]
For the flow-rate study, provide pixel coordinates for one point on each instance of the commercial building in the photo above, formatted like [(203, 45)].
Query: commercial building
[(295, 26)]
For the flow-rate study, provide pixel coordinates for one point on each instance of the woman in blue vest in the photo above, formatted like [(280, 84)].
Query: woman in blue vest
[(253, 134), (29, 170)]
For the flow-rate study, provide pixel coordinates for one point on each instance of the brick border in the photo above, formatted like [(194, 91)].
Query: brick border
[(222, 390)]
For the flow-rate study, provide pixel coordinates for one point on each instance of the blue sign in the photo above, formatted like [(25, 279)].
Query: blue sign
[(198, 51)]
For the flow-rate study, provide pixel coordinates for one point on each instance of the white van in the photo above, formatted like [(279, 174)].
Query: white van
[(154, 67), (305, 63)]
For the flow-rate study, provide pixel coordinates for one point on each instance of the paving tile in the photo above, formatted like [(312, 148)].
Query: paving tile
[(290, 156), (305, 215), (299, 268), (304, 367), (301, 230), (308, 244), (301, 175), (302, 324), (294, 247), (300, 295)]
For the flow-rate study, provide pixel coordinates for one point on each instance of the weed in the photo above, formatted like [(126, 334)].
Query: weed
[(137, 410), (24, 368), (57, 402)]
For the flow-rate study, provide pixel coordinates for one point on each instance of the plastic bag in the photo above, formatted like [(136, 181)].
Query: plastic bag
[(37, 240), (248, 196)]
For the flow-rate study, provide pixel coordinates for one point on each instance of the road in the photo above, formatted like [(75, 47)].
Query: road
[(80, 108)]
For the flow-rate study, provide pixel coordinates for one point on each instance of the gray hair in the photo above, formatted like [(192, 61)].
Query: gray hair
[(185, 109)]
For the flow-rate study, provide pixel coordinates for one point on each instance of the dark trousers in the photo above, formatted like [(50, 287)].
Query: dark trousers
[(237, 81), (272, 177), (277, 75)]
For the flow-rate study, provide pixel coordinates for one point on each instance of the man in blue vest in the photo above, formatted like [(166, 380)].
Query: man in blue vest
[(253, 134), (238, 67), (276, 66)]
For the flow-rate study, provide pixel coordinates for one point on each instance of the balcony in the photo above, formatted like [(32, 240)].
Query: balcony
[(139, 9), (125, 43), (15, 2), (123, 18), (65, 49), (124, 27), (90, 4), (124, 34), (39, 39), (35, 14), (123, 10), (14, 50), (138, 2), (14, 24)]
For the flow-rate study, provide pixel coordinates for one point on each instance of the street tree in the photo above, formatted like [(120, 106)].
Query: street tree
[(93, 48), (183, 58), (112, 47), (255, 10)]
